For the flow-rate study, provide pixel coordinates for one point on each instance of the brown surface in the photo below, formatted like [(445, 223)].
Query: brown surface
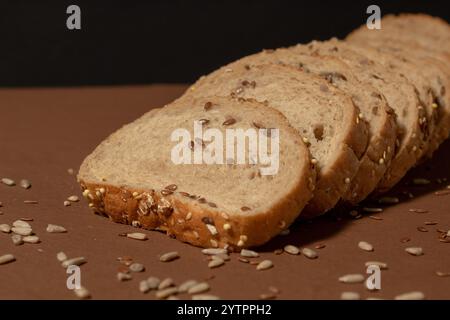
[(43, 132)]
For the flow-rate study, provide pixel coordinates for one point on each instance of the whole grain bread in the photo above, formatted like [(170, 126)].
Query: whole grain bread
[(324, 115), (372, 104), (131, 177), (400, 95)]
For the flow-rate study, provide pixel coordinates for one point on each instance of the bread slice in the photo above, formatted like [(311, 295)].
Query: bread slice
[(400, 95), (131, 177), (372, 104), (325, 116)]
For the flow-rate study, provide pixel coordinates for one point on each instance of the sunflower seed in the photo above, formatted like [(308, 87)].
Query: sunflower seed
[(291, 249), (414, 295), (82, 293), (415, 251), (215, 262), (205, 297), (66, 203), (7, 258), (5, 228), (166, 283), (309, 253), (137, 267), (137, 236), (73, 199), (121, 276), (22, 231), (381, 265), (24, 183), (153, 282), (17, 239), (78, 261), (214, 251), (350, 295), (363, 245), (169, 256), (352, 278), (185, 286), (199, 288), (249, 253), (165, 293), (143, 286), (61, 256), (442, 274), (53, 228), (31, 239), (8, 182), (421, 181), (21, 224), (264, 265), (388, 200), (372, 210)]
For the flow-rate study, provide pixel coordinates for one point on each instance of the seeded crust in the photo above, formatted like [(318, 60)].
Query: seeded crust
[(372, 104), (400, 95), (129, 186), (309, 102)]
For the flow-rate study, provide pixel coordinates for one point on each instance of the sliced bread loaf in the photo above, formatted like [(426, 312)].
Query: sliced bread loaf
[(372, 104), (322, 114), (141, 175), (400, 95)]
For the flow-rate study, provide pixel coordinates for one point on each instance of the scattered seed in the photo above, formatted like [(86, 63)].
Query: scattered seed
[(214, 251), (22, 231), (442, 274), (372, 210), (137, 267), (243, 260), (7, 258), (267, 296), (82, 293), (165, 293), (223, 256), (121, 276), (381, 265), (388, 200), (291, 249), (169, 256), (73, 199), (421, 181), (430, 223), (21, 224), (320, 246), (166, 283), (199, 288), (53, 228), (375, 218), (61, 256), (31, 239), (153, 282), (278, 251), (249, 253), (415, 251), (8, 182), (422, 229), (143, 286), (66, 203), (216, 262), (350, 296), (363, 245), (137, 236), (352, 278), (264, 265), (17, 239), (26, 219), (30, 202), (25, 184), (78, 261), (415, 295), (185, 286), (418, 210), (5, 228), (309, 253), (205, 297)]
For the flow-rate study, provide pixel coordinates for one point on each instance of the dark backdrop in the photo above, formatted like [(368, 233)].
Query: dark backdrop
[(164, 41)]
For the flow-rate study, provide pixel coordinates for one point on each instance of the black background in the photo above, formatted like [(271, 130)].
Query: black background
[(124, 42)]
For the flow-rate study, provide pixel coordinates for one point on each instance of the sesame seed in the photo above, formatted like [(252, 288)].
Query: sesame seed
[(418, 210), (381, 265), (17, 239), (7, 258), (66, 203), (31, 239), (25, 184), (70, 171), (422, 229), (213, 243), (165, 293), (414, 295), (249, 253), (82, 293), (363, 245), (352, 278), (5, 228), (309, 253), (137, 267), (30, 202), (264, 265), (415, 251), (205, 297), (61, 256), (229, 122), (171, 187), (291, 249), (153, 282), (243, 260), (185, 286), (122, 276), (169, 256), (214, 251), (8, 182), (215, 262), (350, 296), (137, 236), (73, 199), (78, 261), (143, 286), (22, 231), (320, 246), (53, 228), (314, 161), (381, 161), (198, 288), (372, 210), (188, 216)]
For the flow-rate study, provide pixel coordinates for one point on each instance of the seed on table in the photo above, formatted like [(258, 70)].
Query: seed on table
[(169, 256), (199, 288), (67, 203), (22, 231), (442, 274), (17, 239), (243, 260), (352, 278), (405, 240), (82, 293), (414, 295), (30, 202), (223, 256), (70, 171), (309, 253), (381, 265), (415, 251), (143, 286), (8, 182), (264, 265), (214, 251), (137, 236), (164, 293), (363, 245), (153, 282), (7, 258), (121, 276), (73, 199), (61, 256), (205, 297), (348, 295), (5, 228), (267, 296), (78, 261), (185, 286), (137, 267), (53, 228), (291, 249), (24, 183), (21, 224), (31, 239), (249, 253), (418, 210), (168, 282), (215, 262)]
